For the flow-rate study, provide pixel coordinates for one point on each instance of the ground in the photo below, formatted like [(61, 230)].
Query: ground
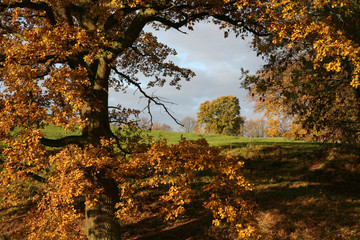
[(302, 190)]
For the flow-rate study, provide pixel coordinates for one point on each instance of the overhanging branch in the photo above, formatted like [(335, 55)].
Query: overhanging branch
[(179, 24), (61, 142), (39, 6), (34, 176), (261, 32), (155, 100)]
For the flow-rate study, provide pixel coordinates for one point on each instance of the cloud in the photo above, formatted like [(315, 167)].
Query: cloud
[(215, 60)]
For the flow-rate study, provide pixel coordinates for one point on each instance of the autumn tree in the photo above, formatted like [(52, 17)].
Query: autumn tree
[(277, 127), (161, 126), (198, 129), (220, 116), (312, 70), (254, 128), (188, 124), (58, 60)]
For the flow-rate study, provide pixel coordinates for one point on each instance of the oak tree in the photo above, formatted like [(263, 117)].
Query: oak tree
[(312, 69), (58, 60), (221, 116)]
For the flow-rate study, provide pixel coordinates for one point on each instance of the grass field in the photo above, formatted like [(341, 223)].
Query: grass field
[(301, 190), (305, 191), (219, 140)]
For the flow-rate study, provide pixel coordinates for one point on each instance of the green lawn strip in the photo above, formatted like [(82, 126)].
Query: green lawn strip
[(54, 132)]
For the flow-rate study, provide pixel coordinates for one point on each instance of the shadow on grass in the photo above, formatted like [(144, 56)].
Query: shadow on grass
[(192, 229), (305, 191), (153, 228), (302, 190), (263, 142)]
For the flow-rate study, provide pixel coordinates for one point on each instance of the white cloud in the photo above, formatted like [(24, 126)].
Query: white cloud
[(215, 60)]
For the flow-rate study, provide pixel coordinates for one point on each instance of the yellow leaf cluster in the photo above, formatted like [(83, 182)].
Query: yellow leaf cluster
[(178, 168), (295, 22)]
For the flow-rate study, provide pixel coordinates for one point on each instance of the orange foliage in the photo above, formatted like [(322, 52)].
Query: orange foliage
[(326, 26), (178, 171), (181, 169), (58, 61)]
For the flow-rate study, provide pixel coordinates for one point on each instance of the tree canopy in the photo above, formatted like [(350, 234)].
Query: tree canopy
[(221, 116), (58, 60), (312, 70)]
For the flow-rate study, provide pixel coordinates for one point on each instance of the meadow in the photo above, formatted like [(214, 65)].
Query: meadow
[(301, 190)]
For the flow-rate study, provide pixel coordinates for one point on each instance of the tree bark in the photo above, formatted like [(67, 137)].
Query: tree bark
[(100, 221)]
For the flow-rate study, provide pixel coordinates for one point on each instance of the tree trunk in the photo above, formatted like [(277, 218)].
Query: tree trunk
[(100, 221)]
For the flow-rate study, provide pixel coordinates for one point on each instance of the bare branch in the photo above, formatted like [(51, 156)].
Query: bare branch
[(179, 24), (155, 100)]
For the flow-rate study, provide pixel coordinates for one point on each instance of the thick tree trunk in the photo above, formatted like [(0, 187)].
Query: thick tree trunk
[(100, 221), (95, 108)]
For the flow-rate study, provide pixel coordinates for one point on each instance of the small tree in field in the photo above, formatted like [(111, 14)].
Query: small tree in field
[(278, 127), (254, 128), (58, 61), (221, 116), (189, 123), (161, 126)]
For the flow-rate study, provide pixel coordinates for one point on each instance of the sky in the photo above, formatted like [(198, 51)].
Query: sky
[(216, 62)]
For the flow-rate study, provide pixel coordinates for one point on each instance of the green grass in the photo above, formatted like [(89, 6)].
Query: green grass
[(173, 137), (54, 132), (221, 140), (302, 190)]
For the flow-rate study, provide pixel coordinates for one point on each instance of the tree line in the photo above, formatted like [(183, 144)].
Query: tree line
[(222, 116)]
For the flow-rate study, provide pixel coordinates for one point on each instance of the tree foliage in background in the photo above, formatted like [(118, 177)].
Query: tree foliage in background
[(161, 126), (278, 127), (221, 116), (313, 67), (254, 128), (58, 61)]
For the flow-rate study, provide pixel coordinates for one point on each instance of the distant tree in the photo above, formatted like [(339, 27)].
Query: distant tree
[(198, 129), (221, 116), (273, 128), (161, 126), (278, 127), (144, 123), (296, 131), (188, 123), (254, 128)]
